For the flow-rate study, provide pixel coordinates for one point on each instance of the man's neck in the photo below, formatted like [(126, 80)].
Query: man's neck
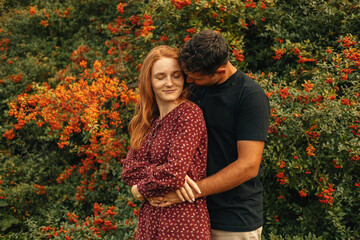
[(229, 70)]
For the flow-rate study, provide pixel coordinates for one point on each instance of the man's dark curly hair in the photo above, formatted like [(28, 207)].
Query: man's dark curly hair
[(204, 53)]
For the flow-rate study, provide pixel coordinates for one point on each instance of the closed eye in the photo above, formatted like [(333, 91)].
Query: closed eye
[(160, 76), (177, 74)]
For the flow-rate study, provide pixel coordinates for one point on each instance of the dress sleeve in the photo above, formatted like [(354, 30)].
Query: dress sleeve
[(134, 168), (184, 142)]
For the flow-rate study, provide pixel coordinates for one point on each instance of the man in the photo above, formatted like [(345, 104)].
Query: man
[(236, 112)]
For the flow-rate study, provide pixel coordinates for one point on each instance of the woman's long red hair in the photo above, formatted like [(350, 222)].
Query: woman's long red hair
[(146, 110)]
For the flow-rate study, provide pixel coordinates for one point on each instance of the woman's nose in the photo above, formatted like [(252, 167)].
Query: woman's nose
[(169, 81)]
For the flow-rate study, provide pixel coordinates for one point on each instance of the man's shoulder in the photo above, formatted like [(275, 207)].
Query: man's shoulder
[(195, 93), (249, 87), (248, 81)]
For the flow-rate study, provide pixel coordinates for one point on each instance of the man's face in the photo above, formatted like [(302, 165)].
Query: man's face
[(203, 79)]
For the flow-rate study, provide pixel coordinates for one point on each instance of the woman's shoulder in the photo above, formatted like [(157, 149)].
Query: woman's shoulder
[(189, 110), (188, 106)]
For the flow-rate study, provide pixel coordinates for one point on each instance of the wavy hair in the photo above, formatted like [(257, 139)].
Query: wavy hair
[(146, 111), (204, 53)]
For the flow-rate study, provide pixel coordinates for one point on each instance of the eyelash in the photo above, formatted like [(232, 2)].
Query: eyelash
[(175, 76)]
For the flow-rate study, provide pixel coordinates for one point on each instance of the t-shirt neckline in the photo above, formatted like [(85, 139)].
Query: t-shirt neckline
[(227, 83)]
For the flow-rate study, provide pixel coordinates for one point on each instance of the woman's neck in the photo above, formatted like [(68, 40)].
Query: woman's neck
[(166, 108)]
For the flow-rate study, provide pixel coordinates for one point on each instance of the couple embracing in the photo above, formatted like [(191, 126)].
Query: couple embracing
[(197, 138)]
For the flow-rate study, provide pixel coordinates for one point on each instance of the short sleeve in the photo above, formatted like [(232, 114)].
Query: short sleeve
[(253, 117)]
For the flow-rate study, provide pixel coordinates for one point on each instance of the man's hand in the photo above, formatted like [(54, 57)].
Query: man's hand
[(186, 193), (137, 194)]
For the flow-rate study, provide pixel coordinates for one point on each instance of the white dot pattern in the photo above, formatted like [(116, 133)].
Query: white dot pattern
[(175, 146)]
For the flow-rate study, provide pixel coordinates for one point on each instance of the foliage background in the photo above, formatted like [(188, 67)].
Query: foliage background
[(68, 87)]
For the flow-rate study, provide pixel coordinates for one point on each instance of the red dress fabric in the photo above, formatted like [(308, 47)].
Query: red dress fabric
[(175, 146)]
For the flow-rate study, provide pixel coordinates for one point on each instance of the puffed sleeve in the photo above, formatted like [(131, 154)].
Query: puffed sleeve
[(134, 168), (190, 129)]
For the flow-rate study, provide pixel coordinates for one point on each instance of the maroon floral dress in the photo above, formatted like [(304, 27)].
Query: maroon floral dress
[(175, 146)]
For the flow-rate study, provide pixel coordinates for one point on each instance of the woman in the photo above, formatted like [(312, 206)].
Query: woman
[(168, 144)]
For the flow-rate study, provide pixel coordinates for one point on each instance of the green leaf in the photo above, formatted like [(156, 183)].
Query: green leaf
[(7, 222), (3, 203)]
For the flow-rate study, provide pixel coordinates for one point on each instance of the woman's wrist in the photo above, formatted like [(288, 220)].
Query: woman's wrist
[(135, 192)]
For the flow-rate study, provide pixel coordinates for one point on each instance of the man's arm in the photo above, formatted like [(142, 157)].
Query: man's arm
[(243, 169)]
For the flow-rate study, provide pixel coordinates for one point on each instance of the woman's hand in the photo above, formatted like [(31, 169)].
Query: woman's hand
[(136, 193), (166, 200)]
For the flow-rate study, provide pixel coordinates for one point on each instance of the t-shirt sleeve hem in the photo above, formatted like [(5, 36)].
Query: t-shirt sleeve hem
[(252, 138)]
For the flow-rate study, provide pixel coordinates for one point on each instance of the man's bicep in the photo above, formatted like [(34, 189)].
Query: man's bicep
[(250, 153)]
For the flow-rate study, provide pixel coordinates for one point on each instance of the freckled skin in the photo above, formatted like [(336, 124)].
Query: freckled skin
[(167, 82)]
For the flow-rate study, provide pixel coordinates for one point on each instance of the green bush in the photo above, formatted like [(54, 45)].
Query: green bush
[(312, 157), (58, 56)]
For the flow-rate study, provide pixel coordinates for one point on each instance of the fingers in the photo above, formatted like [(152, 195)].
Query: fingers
[(192, 184), (180, 196), (161, 198), (184, 195), (154, 202), (167, 200), (164, 204), (186, 192), (189, 192)]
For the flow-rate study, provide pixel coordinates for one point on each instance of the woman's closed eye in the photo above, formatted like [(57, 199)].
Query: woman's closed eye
[(177, 75), (159, 76)]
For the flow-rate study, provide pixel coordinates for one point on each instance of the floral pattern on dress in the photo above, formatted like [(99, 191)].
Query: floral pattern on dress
[(175, 146)]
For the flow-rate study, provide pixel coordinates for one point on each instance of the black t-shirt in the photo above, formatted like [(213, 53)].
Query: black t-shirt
[(237, 109)]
